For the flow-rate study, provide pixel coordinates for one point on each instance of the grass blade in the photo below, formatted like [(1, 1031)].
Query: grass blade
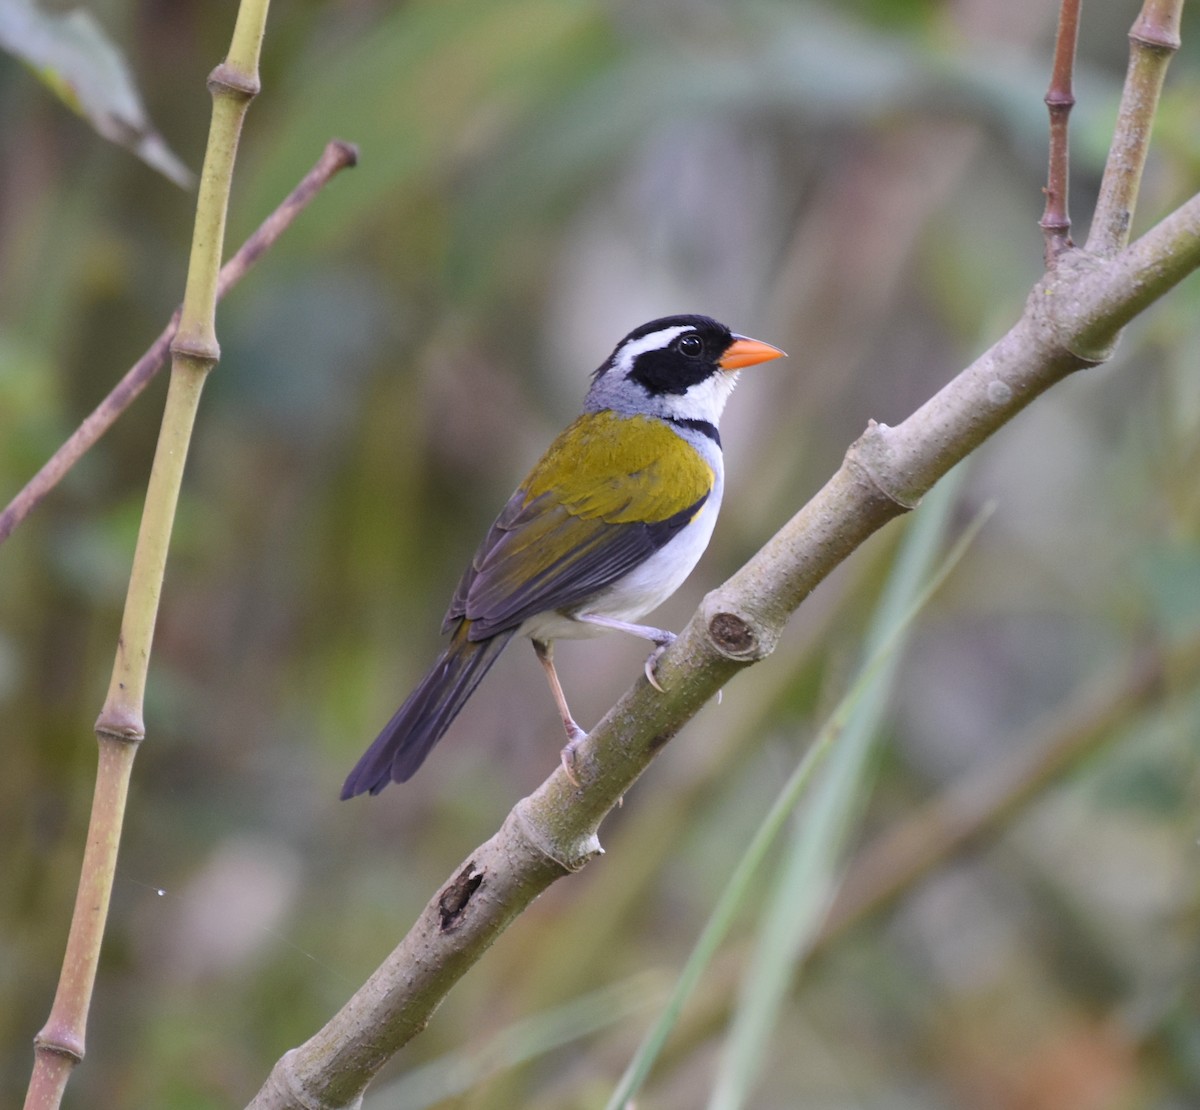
[(882, 646), (806, 882)]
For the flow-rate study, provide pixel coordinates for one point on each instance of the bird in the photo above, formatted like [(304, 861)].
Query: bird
[(605, 527)]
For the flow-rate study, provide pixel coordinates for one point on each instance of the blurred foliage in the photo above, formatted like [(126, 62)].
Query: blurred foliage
[(74, 58), (859, 183)]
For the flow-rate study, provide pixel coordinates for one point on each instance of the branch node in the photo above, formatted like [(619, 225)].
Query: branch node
[(285, 1086), (61, 1043), (570, 857), (1147, 32), (228, 79), (125, 726), (1057, 99), (1093, 354), (1090, 346), (205, 353), (873, 447), (124, 736)]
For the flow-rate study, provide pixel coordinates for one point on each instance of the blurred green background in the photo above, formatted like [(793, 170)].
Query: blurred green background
[(858, 183)]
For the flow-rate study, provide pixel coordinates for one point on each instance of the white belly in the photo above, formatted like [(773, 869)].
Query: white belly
[(644, 588)]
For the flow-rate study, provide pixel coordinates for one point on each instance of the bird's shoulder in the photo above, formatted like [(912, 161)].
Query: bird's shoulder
[(620, 469)]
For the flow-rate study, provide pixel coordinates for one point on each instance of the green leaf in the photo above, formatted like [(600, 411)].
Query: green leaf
[(73, 56)]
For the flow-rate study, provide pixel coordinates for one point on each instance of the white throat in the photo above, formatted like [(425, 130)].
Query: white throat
[(703, 401)]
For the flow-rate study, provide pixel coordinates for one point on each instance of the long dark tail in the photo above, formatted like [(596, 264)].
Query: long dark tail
[(423, 719)]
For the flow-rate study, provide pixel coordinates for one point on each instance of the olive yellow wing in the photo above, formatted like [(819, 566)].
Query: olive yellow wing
[(610, 492)]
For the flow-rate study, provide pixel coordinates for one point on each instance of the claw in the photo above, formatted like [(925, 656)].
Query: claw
[(567, 755), (654, 657)]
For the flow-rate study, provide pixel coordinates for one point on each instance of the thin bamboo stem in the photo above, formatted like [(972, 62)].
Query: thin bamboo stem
[(1060, 99), (60, 1045), (1153, 41)]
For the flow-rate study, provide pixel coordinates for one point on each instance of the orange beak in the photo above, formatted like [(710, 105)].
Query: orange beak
[(743, 352)]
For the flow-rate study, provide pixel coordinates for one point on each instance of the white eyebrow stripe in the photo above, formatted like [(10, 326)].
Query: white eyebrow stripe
[(655, 341)]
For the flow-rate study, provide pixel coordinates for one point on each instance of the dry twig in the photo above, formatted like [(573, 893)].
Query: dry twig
[(336, 156)]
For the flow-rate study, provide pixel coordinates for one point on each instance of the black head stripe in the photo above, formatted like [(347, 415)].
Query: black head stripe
[(675, 367), (705, 325), (704, 427), (668, 370)]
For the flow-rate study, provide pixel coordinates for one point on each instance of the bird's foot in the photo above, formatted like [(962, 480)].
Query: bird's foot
[(575, 736), (668, 638)]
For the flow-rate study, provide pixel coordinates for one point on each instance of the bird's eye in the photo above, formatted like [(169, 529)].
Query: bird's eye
[(690, 345)]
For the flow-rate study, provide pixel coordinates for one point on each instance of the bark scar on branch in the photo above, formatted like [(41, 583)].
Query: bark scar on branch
[(453, 901)]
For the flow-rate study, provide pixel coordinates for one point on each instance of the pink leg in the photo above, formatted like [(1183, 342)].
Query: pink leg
[(545, 654)]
